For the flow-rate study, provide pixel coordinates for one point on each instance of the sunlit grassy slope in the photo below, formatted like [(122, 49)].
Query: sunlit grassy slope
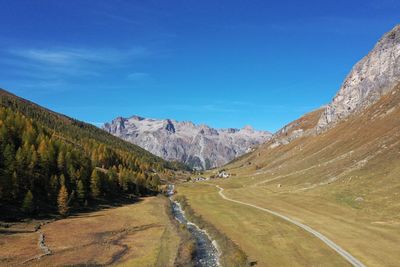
[(344, 183), (266, 239)]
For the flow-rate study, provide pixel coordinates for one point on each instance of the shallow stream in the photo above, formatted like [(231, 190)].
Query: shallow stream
[(207, 254)]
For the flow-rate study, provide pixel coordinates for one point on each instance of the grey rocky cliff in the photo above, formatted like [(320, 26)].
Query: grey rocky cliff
[(373, 76), (199, 146)]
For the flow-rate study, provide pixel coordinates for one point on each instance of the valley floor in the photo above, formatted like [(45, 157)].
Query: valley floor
[(139, 234), (142, 234), (271, 241)]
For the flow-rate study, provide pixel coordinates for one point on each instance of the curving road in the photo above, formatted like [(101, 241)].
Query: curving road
[(350, 258)]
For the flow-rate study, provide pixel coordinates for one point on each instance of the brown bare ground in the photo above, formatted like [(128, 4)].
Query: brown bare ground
[(130, 235)]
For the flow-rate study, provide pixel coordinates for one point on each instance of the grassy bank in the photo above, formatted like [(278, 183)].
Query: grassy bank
[(186, 249), (231, 254)]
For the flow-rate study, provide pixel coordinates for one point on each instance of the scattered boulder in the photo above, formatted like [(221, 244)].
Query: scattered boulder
[(359, 199), (42, 245)]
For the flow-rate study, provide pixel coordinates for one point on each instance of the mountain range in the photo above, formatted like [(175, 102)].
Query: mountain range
[(198, 146), (202, 147)]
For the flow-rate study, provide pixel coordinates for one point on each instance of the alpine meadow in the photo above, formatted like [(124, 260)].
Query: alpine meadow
[(199, 134)]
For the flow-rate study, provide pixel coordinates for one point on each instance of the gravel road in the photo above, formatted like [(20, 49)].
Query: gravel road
[(350, 258)]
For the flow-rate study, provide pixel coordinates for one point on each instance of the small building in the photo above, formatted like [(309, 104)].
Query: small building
[(199, 179), (223, 174)]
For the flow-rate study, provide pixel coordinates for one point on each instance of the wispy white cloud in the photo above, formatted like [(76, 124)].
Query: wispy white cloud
[(46, 56), (68, 56), (61, 67)]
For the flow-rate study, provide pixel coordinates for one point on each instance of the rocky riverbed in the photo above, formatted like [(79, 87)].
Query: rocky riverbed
[(207, 254)]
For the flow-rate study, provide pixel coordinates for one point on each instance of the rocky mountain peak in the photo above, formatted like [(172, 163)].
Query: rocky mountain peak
[(232, 130), (117, 125), (137, 118), (199, 146), (170, 126), (248, 128), (373, 76)]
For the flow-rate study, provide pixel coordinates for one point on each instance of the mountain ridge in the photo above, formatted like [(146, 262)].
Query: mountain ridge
[(39, 112), (370, 78), (200, 146), (358, 91)]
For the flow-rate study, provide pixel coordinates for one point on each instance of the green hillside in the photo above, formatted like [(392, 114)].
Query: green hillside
[(51, 162)]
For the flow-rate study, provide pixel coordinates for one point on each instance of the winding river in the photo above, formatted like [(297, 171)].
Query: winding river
[(207, 254)]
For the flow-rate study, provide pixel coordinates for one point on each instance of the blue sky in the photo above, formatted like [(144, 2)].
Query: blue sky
[(224, 63)]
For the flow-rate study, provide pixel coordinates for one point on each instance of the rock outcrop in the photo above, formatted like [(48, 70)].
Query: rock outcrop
[(373, 76), (199, 146)]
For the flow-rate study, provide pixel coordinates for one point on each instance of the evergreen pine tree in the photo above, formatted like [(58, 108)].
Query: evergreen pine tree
[(15, 185), (62, 201), (61, 162), (81, 190), (43, 152), (27, 204), (8, 170), (33, 159), (9, 157), (54, 185), (95, 184), (62, 180)]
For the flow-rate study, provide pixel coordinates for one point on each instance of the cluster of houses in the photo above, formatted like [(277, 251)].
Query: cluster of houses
[(218, 174)]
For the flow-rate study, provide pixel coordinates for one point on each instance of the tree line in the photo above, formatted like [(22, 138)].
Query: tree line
[(47, 168)]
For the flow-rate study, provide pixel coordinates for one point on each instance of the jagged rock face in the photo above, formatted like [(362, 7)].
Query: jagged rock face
[(370, 78), (199, 146), (373, 76)]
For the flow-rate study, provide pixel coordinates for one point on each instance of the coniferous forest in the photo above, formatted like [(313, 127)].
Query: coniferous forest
[(49, 162)]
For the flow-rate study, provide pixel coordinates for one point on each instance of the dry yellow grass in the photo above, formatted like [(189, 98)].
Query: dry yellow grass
[(373, 243), (134, 235), (18, 244), (267, 240), (344, 183)]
